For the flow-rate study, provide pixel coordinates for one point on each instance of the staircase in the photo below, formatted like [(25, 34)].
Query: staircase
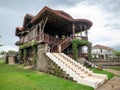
[(61, 45), (79, 73), (88, 63)]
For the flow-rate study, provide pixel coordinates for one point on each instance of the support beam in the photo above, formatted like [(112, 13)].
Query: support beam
[(86, 31), (73, 28), (89, 51)]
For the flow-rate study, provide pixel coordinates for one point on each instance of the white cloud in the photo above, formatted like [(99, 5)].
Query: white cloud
[(99, 32), (7, 48), (104, 15)]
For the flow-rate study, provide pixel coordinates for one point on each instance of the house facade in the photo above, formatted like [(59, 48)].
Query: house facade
[(53, 28), (102, 52), (46, 43)]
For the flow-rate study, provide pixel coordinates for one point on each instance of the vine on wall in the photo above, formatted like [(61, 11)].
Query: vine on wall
[(75, 44), (34, 55), (25, 55), (20, 55), (27, 44)]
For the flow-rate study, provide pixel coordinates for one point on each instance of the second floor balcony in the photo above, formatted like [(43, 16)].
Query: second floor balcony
[(48, 39)]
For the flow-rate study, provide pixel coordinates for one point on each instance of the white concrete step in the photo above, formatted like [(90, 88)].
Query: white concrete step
[(75, 70), (72, 66)]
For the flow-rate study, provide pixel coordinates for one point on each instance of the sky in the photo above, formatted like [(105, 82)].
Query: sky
[(105, 15)]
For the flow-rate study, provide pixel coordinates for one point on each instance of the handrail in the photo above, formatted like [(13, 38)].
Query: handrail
[(68, 39), (57, 43), (65, 43), (81, 37), (61, 45)]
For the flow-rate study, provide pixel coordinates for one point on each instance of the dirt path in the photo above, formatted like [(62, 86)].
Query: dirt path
[(113, 84)]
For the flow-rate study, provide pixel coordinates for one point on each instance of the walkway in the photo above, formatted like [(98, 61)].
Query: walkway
[(113, 84)]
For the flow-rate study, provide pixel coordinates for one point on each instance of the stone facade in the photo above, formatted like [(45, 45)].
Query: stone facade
[(44, 64)]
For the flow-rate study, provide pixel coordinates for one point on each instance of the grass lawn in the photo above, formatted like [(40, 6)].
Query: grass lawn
[(109, 74), (116, 68), (14, 77)]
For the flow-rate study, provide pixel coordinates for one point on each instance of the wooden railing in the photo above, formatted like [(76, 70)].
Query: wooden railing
[(45, 37), (54, 47), (65, 43), (61, 45), (81, 37), (53, 40)]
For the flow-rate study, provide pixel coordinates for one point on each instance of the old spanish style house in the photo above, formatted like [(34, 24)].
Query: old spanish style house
[(102, 52), (46, 41)]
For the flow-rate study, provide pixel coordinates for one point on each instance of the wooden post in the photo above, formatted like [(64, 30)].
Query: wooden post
[(81, 30), (59, 48), (73, 28), (86, 32)]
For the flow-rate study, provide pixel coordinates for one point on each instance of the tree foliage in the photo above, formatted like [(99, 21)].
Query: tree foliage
[(2, 53), (117, 53), (11, 52)]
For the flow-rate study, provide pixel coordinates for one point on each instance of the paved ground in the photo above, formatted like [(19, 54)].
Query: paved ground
[(113, 84)]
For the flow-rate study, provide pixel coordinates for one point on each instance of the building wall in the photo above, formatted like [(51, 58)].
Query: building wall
[(102, 53), (46, 65)]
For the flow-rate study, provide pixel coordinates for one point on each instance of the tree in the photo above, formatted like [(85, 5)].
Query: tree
[(117, 53), (11, 52), (2, 53)]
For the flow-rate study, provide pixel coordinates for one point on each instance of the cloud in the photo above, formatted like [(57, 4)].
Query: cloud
[(105, 29), (105, 16), (7, 48)]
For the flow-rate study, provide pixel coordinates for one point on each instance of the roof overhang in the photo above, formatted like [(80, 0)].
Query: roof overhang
[(83, 22), (48, 12)]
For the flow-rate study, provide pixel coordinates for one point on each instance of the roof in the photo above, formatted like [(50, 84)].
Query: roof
[(58, 19), (101, 47), (48, 11), (64, 13), (27, 18), (18, 29)]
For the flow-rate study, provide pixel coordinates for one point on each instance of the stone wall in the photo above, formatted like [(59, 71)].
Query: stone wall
[(44, 64), (107, 62)]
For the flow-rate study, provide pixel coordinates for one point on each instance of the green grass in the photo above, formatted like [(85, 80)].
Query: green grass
[(14, 77), (109, 74), (118, 69)]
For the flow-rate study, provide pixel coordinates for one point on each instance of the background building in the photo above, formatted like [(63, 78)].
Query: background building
[(102, 52)]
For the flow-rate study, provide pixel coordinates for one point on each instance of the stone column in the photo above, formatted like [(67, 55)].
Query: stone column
[(89, 51), (41, 62)]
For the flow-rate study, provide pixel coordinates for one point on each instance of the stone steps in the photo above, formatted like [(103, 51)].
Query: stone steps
[(77, 71)]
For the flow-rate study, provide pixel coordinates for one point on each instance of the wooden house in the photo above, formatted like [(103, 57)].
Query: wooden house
[(54, 28), (45, 42)]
